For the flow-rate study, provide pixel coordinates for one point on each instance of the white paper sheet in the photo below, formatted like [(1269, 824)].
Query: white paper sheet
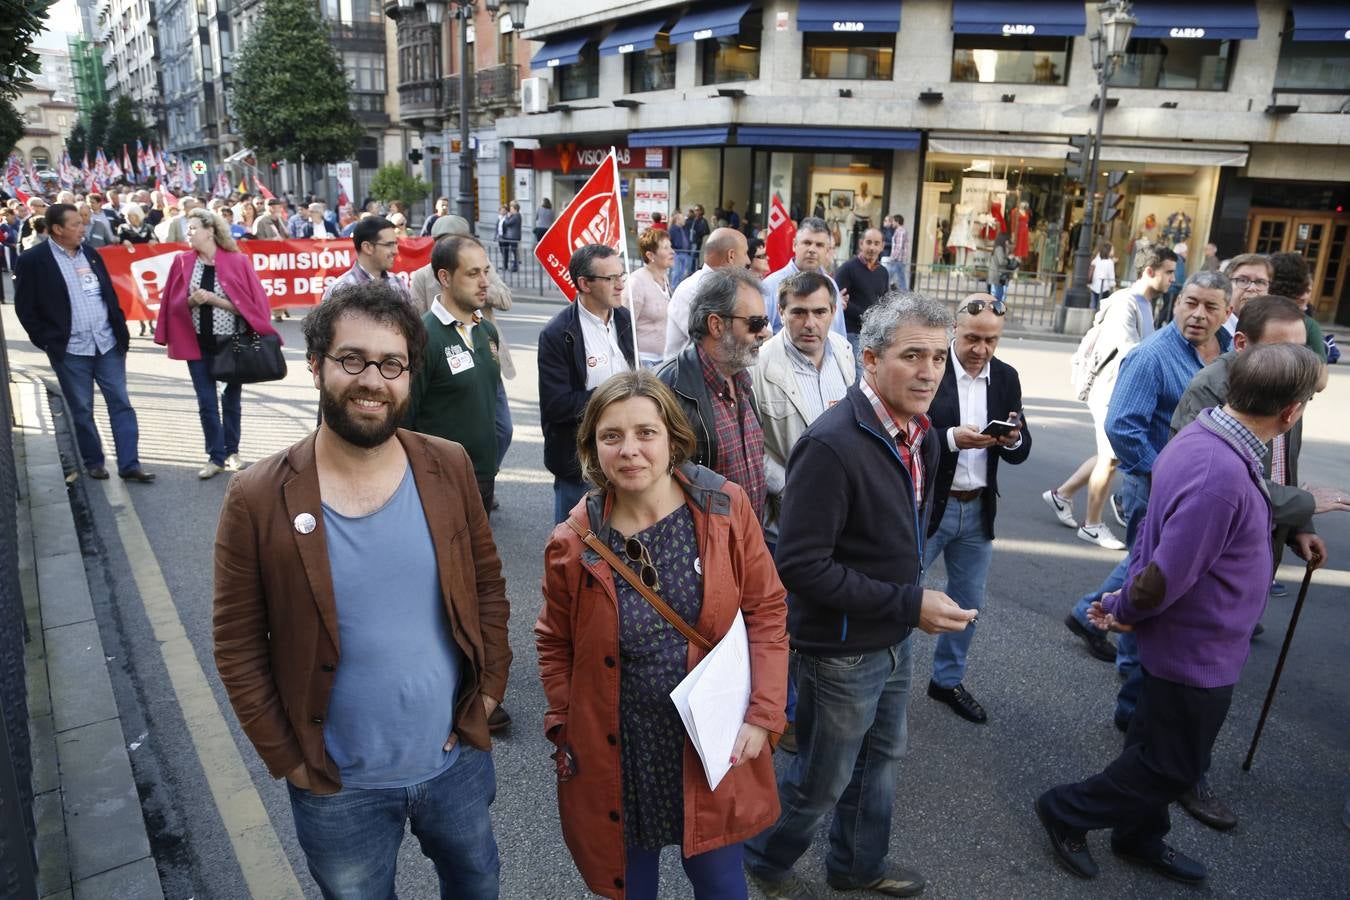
[(713, 698)]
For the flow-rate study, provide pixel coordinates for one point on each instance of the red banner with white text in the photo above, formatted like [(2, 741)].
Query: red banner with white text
[(594, 216), (292, 272)]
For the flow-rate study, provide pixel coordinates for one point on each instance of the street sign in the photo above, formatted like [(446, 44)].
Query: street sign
[(199, 167)]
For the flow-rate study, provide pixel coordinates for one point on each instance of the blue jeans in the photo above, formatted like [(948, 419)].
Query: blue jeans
[(351, 838), (504, 427), (715, 875), (566, 494), (220, 415), (967, 551), (998, 289), (851, 733), (77, 375)]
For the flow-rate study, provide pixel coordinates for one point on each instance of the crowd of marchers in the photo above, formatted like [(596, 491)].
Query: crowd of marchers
[(790, 452)]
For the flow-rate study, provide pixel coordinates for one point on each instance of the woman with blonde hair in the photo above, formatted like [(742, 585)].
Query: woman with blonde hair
[(629, 780), (211, 293)]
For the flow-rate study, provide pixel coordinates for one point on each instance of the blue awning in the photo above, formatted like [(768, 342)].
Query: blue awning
[(561, 50), (680, 137), (709, 22), (849, 15), (1051, 18), (1314, 21), (1218, 20), (842, 139), (639, 34)]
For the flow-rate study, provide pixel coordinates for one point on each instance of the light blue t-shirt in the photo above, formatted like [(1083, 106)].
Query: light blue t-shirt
[(393, 701)]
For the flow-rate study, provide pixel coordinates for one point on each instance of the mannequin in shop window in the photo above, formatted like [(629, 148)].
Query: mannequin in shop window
[(1021, 229), (961, 241)]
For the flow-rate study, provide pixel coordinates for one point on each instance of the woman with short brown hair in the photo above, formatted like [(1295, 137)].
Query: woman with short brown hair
[(629, 780)]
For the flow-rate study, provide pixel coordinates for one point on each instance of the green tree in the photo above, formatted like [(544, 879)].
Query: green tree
[(100, 114), (78, 142), (125, 127), (23, 22), (291, 97), (11, 127), (392, 183)]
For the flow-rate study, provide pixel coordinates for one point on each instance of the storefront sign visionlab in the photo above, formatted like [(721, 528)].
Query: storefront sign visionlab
[(566, 158)]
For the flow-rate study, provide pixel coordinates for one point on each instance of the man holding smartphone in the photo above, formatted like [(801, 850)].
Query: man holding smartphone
[(978, 412)]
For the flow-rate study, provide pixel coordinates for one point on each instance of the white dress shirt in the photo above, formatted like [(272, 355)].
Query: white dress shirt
[(603, 354), (973, 394), (677, 313)]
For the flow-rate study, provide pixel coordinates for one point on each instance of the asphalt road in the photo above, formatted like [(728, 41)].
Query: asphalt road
[(963, 808)]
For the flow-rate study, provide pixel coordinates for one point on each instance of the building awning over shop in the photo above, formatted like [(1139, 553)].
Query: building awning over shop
[(1051, 18), (849, 15), (827, 138), (1320, 21), (1218, 20), (680, 137), (977, 147), (562, 49), (716, 20), (630, 36)]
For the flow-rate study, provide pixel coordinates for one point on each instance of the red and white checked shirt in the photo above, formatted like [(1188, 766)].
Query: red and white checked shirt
[(907, 440), (736, 428)]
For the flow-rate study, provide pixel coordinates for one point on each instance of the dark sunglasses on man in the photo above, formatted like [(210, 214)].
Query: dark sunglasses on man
[(975, 307)]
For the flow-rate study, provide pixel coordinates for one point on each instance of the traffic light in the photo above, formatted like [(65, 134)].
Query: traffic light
[(415, 156), (1075, 168), (1111, 205)]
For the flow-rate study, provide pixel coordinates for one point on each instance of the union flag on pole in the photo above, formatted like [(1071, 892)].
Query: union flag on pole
[(594, 216), (782, 233), (262, 188)]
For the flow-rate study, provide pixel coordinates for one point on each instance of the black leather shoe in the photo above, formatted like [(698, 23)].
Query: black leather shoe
[(1164, 860), (98, 473), (499, 719), (1098, 644), (788, 742), (1122, 722), (959, 699), (1071, 849), (1205, 806), (140, 476)]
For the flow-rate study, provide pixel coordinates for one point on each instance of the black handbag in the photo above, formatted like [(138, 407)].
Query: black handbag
[(247, 357)]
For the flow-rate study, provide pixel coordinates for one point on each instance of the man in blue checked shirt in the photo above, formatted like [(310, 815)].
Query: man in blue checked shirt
[(1152, 378)]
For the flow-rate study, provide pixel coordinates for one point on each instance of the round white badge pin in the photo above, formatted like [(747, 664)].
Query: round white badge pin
[(304, 523)]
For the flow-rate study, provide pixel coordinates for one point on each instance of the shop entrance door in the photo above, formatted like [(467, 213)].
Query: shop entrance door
[(1319, 238)]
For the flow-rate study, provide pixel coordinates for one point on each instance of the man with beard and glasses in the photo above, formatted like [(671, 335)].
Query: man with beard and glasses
[(727, 325), (360, 617)]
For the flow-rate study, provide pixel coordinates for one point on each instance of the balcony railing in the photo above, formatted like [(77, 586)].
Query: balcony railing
[(357, 31), (497, 85), (419, 99)]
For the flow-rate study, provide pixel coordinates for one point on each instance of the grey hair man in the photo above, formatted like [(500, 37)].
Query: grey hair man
[(727, 326), (725, 248), (810, 252), (850, 553)]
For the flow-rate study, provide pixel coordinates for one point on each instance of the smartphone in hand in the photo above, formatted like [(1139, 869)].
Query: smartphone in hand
[(999, 428)]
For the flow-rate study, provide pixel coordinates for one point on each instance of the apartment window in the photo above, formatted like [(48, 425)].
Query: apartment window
[(1182, 64), (506, 48), (1314, 66), (40, 159), (733, 58), (652, 69), (365, 71), (581, 80), (1010, 60), (828, 54)]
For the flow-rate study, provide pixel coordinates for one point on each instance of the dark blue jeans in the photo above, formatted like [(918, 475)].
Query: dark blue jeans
[(77, 376), (220, 413), (502, 422), (715, 875), (351, 838), (851, 733), (566, 494)]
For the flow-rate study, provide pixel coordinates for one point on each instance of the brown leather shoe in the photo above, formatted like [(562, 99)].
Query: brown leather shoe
[(98, 473), (1205, 806)]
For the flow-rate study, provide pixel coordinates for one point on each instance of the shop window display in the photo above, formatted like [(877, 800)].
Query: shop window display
[(733, 58), (652, 69), (844, 55), (581, 79), (1012, 60), (1313, 66), (1176, 64)]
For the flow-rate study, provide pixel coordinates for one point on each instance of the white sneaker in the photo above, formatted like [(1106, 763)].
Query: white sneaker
[(1062, 508), (1099, 535), (210, 470), (233, 463)]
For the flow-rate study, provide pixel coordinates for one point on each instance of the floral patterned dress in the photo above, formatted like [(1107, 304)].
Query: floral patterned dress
[(654, 659)]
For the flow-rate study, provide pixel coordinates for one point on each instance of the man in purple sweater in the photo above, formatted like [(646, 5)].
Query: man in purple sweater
[(1196, 588)]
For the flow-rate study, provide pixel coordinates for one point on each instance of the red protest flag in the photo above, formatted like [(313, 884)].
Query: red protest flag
[(262, 188), (782, 233), (594, 216)]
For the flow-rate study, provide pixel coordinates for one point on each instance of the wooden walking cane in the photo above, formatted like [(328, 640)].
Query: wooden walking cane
[(1279, 665)]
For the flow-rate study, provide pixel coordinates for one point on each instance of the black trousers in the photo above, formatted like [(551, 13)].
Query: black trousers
[(1167, 749), (487, 489)]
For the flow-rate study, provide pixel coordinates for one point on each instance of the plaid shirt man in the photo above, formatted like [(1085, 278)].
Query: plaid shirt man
[(907, 440), (740, 440)]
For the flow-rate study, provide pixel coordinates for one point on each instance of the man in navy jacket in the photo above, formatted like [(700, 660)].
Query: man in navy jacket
[(850, 552)]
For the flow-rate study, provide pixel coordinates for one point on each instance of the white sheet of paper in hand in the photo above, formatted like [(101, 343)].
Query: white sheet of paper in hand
[(713, 698)]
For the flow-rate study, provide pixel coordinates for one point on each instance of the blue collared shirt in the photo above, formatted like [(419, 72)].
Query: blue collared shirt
[(90, 331), (1152, 378), (769, 287)]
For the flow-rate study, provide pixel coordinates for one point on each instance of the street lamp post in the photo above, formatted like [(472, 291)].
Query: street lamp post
[(1108, 49)]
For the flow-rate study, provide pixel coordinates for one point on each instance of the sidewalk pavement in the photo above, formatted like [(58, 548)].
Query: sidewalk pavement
[(92, 841)]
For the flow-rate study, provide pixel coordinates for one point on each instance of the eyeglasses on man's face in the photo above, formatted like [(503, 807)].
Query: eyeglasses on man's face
[(1242, 282), (610, 278), (756, 324), (975, 307), (354, 364)]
